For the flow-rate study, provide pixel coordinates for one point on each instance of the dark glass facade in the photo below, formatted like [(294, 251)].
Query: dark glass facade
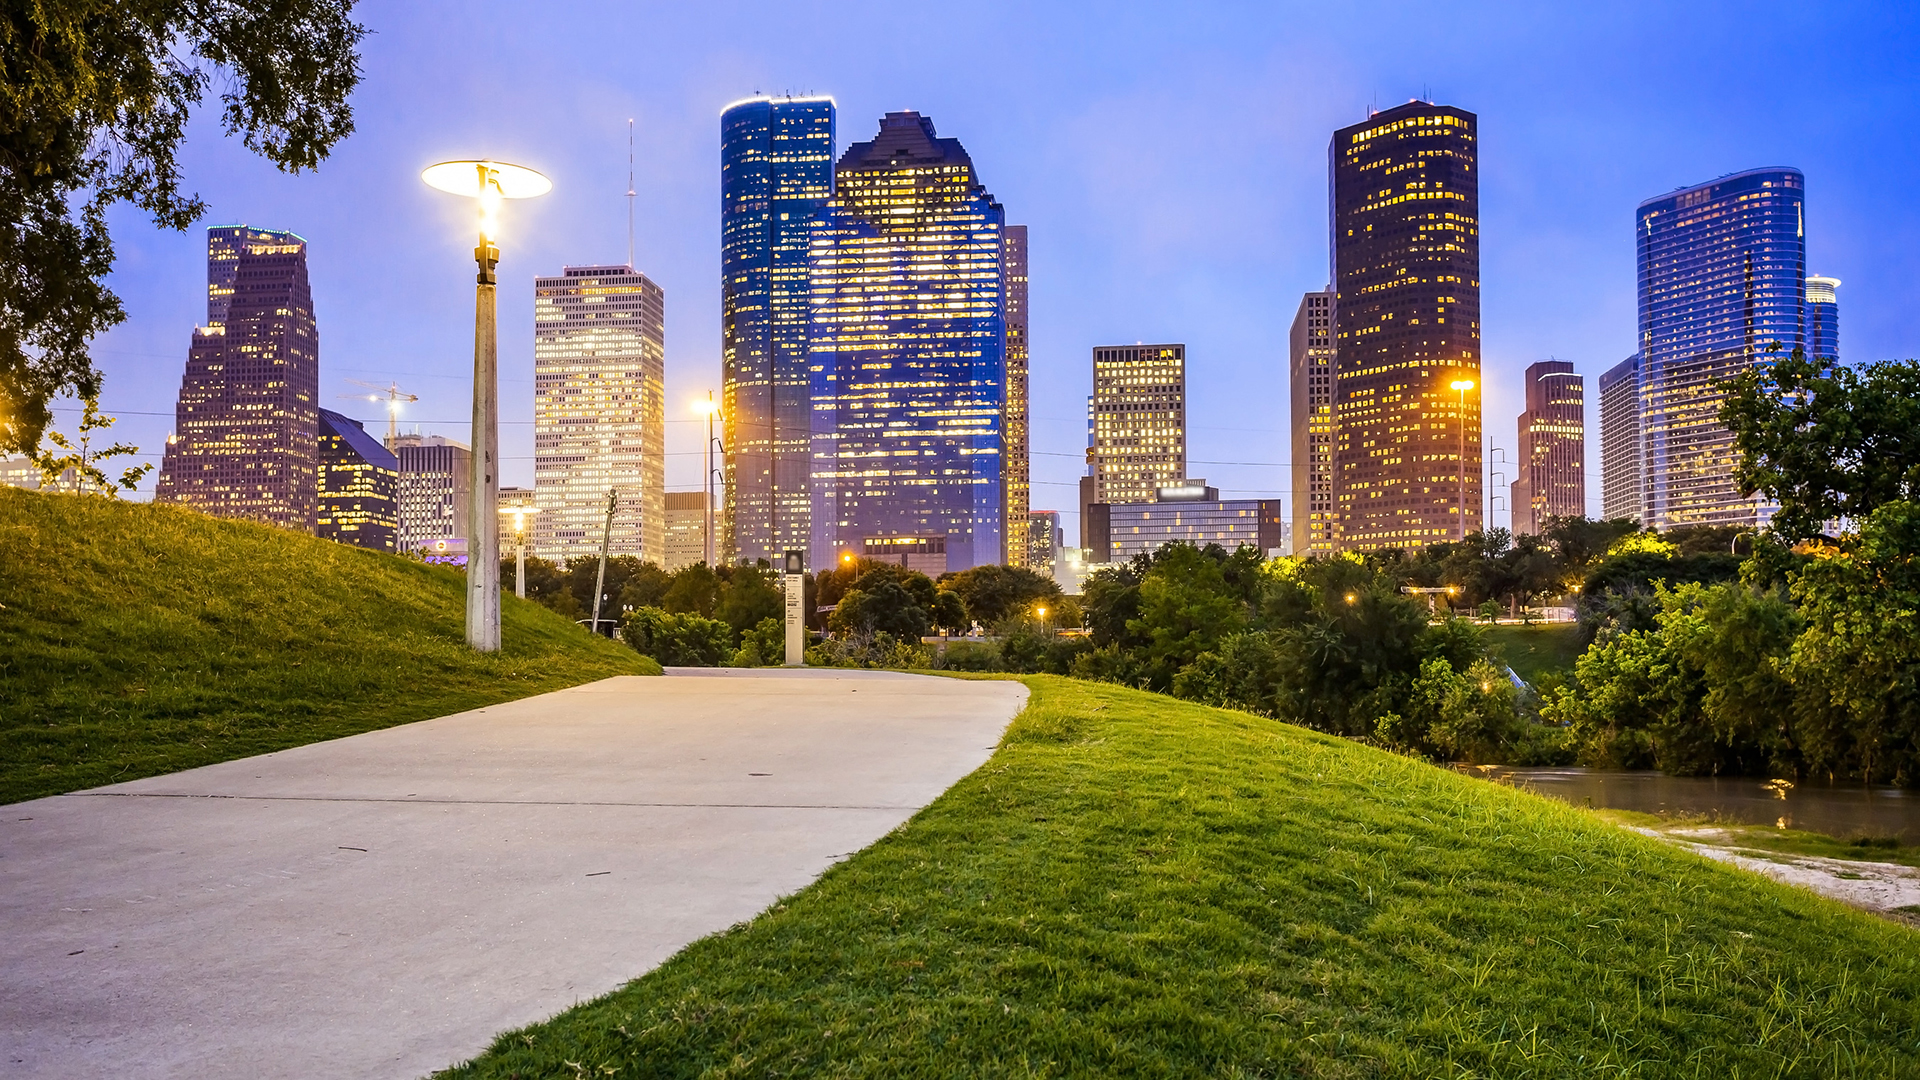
[(1406, 279), (1310, 352), (246, 427), (1552, 470), (1823, 317), (359, 485), (776, 174), (1723, 269), (908, 356)]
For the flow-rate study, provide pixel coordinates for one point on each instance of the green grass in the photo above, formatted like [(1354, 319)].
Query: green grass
[(137, 640), (1139, 886), (1533, 651), (1859, 848)]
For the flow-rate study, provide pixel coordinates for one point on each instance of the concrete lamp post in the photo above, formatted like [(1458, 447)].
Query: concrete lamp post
[(1463, 385), (520, 515), (488, 182), (711, 410)]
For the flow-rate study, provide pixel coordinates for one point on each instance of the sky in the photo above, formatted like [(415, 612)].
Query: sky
[(1169, 161)]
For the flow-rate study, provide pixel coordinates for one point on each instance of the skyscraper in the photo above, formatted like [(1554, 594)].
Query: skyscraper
[(435, 489), (1621, 479), (1311, 352), (1552, 478), (1139, 413), (246, 428), (599, 420), (1406, 278), (1042, 541), (1823, 317), (1723, 269), (686, 530), (1019, 491), (358, 485), (908, 350), (776, 174)]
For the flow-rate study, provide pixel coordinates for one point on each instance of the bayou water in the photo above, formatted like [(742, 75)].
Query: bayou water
[(1842, 810)]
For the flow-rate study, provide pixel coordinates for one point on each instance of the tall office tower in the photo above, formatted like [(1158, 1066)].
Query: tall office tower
[(1041, 538), (435, 489), (245, 442), (1310, 347), (686, 530), (1723, 269), (1552, 480), (1823, 317), (776, 174), (1139, 421), (908, 351), (599, 418), (359, 485), (1018, 477), (1406, 274), (1622, 480)]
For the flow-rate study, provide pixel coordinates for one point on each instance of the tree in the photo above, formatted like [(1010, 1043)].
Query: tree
[(992, 593), (695, 589), (81, 461), (96, 104), (1185, 609), (678, 639), (882, 605), (749, 597), (1825, 441)]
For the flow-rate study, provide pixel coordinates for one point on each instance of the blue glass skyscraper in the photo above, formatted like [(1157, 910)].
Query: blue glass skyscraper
[(776, 173), (1723, 270), (908, 348), (1823, 317)]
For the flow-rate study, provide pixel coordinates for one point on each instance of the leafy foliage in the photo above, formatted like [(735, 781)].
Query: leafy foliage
[(678, 639), (94, 106), (1826, 441), (992, 593), (81, 461)]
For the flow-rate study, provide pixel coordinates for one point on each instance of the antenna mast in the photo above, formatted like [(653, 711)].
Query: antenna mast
[(629, 193)]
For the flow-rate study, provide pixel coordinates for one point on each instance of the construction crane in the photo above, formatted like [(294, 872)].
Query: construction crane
[(393, 396)]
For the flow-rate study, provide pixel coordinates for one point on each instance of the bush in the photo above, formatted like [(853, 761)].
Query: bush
[(858, 649), (765, 645), (678, 639), (969, 656)]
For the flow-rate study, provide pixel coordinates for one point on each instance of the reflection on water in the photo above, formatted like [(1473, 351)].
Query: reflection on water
[(1841, 810)]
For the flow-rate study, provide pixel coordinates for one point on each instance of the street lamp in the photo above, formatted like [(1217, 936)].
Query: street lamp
[(519, 546), (1463, 385), (488, 182), (711, 409)]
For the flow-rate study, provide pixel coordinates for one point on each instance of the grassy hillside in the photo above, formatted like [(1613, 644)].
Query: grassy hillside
[(1138, 886), (138, 639), (1533, 651)]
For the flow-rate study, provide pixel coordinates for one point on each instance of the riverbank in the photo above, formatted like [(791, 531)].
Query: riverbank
[(1137, 885)]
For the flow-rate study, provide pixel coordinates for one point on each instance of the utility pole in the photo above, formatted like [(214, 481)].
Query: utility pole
[(606, 540)]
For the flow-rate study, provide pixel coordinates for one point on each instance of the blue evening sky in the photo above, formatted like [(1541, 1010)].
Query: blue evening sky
[(1170, 161)]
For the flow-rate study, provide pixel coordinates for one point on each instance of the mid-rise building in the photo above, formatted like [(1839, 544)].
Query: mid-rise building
[(1723, 269), (358, 486), (1823, 317), (1139, 421), (686, 530), (1552, 478), (1017, 480), (908, 347), (1042, 547), (245, 440), (1189, 512), (1406, 277), (1311, 359), (20, 472), (435, 491), (599, 416), (776, 175), (1622, 488)]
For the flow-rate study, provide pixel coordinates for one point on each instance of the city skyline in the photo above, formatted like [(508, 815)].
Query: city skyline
[(1104, 274)]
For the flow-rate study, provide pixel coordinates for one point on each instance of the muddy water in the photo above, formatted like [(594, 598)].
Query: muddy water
[(1841, 810)]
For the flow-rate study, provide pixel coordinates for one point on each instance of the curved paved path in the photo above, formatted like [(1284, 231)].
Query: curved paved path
[(383, 905)]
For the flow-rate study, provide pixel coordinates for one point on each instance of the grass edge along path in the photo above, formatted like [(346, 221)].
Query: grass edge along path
[(137, 640), (1135, 885)]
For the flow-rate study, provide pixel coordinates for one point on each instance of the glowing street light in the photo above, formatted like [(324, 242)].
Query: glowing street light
[(1463, 385), (520, 514), (488, 182)]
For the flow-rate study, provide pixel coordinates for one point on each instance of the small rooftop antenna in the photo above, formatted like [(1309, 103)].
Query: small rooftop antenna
[(629, 193)]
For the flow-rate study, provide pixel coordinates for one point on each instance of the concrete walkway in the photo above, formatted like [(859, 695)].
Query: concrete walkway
[(384, 905)]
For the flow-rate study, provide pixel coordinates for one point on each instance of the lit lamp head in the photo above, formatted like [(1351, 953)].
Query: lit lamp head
[(520, 514), (489, 182), (1463, 385)]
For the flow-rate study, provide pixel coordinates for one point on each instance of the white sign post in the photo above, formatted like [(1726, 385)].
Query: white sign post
[(796, 581)]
